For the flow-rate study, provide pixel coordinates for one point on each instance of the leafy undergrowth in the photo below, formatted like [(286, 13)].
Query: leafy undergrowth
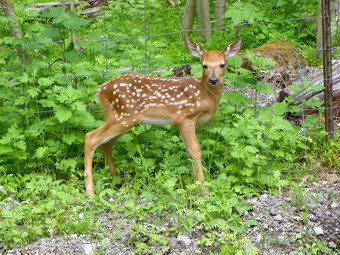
[(40, 205)]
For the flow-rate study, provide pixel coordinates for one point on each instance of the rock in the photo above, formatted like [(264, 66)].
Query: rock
[(328, 213), (265, 226), (312, 217), (334, 204), (258, 238), (89, 248), (11, 203), (274, 211), (292, 210), (263, 198), (278, 217), (319, 214), (299, 230), (184, 240), (332, 245), (276, 226), (318, 230)]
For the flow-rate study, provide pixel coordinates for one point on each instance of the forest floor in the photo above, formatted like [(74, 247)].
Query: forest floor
[(301, 220)]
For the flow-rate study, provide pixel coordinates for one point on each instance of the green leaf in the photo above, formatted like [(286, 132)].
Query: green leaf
[(40, 152), (296, 88), (24, 78), (69, 138), (241, 81), (228, 249), (281, 124), (74, 22), (56, 13), (264, 88), (21, 100), (237, 227), (235, 61), (72, 55), (67, 164), (45, 81), (33, 92), (279, 108), (20, 145), (317, 88), (62, 114), (170, 183), (281, 3), (50, 32)]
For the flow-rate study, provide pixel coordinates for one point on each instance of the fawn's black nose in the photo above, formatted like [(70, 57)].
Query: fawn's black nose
[(213, 81)]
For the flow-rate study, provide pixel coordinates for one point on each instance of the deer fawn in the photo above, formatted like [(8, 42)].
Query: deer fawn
[(184, 102)]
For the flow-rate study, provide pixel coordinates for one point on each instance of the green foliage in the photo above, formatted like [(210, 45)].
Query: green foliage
[(265, 13), (38, 206)]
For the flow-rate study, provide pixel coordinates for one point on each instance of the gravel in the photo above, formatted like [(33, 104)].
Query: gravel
[(286, 222)]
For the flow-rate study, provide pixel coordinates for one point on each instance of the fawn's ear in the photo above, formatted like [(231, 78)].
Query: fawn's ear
[(233, 48), (195, 49)]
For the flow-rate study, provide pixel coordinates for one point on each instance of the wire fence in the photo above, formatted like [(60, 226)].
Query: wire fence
[(109, 36)]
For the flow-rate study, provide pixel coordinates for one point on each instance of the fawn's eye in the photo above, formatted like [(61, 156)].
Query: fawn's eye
[(204, 66), (222, 65)]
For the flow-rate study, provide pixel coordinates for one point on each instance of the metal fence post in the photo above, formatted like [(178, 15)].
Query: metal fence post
[(327, 66)]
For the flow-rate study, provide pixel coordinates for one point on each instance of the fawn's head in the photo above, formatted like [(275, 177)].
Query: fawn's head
[(213, 62)]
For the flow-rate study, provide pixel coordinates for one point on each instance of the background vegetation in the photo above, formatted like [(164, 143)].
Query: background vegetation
[(47, 106)]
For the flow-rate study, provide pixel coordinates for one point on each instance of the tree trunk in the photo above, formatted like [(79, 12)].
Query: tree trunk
[(203, 18), (188, 16), (220, 9), (15, 29)]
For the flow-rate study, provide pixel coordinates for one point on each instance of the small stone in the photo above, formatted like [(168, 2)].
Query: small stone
[(278, 217), (258, 238), (321, 200), (312, 217), (73, 235), (313, 205), (89, 248), (246, 214), (332, 245), (318, 230), (199, 227), (287, 199), (274, 211), (319, 214), (334, 204), (276, 226), (81, 216), (184, 240), (105, 242), (263, 198), (292, 210)]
